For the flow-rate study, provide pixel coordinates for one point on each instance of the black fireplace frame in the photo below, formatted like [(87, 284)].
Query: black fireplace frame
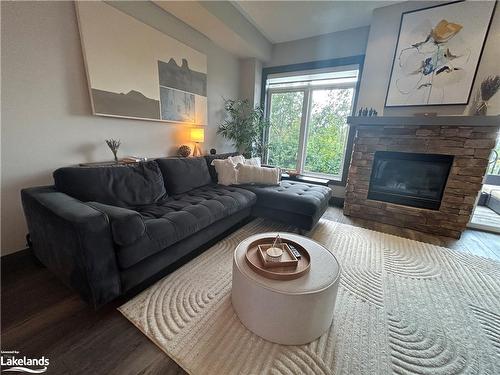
[(407, 199)]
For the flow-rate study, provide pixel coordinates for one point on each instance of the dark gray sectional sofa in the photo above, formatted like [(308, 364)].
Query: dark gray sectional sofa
[(106, 230)]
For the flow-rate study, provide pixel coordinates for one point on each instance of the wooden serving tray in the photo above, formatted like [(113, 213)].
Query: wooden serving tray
[(287, 259), (254, 261)]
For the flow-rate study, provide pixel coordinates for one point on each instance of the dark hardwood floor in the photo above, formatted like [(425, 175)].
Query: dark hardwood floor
[(41, 316)]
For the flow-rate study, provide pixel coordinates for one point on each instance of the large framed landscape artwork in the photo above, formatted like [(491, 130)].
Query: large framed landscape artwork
[(135, 71), (438, 53)]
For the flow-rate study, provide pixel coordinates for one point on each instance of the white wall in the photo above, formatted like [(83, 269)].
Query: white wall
[(250, 80), (46, 115), (346, 43), (380, 53)]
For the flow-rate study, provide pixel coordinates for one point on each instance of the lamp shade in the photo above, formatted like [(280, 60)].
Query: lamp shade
[(197, 134)]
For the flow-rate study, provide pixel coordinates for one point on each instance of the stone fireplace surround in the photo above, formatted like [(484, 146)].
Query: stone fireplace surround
[(469, 139)]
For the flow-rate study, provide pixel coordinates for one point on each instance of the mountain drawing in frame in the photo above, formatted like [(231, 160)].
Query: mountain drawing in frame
[(438, 53), (135, 71)]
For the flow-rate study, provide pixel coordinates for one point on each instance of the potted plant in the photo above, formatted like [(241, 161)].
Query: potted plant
[(245, 126)]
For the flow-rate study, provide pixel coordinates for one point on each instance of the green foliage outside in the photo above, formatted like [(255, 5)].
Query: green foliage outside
[(326, 133), (284, 119)]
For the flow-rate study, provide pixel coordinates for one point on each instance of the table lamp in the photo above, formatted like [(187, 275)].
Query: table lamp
[(197, 136)]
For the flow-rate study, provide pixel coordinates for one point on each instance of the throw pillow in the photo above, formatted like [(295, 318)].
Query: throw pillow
[(253, 161), (237, 159), (249, 174), (226, 172)]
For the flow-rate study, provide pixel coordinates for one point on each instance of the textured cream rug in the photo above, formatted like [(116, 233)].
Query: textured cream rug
[(403, 307)]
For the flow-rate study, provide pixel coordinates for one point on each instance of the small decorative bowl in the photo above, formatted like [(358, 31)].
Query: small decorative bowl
[(274, 254)]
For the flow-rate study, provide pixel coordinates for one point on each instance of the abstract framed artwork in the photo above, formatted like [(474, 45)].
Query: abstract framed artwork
[(438, 53), (135, 71)]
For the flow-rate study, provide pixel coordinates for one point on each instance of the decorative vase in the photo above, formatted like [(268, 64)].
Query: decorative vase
[(114, 145)]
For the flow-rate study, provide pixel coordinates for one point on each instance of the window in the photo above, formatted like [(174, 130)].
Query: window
[(307, 112)]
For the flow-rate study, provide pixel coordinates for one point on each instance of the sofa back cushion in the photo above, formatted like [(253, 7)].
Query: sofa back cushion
[(117, 185), (211, 167), (184, 174)]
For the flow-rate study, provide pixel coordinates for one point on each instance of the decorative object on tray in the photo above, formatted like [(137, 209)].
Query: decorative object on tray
[(292, 173), (244, 126), (114, 145), (197, 136), (133, 159), (277, 254), (489, 88), (288, 267), (437, 54), (365, 112), (273, 254), (184, 151)]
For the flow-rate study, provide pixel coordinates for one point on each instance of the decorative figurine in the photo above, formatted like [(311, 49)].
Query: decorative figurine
[(365, 112), (275, 252)]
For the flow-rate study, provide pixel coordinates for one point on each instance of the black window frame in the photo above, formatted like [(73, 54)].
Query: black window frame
[(319, 64)]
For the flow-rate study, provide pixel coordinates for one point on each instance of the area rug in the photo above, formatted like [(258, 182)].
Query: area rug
[(403, 307)]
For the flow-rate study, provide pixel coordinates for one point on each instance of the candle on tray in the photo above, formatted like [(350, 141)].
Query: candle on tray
[(274, 254)]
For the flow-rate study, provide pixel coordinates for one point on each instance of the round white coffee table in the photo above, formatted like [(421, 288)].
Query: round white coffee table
[(288, 312)]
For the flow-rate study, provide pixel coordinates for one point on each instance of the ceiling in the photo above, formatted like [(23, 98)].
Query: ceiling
[(283, 21)]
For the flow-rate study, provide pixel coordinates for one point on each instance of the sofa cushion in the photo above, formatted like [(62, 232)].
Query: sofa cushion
[(116, 185), (291, 196), (127, 226), (183, 174), (182, 215), (211, 168)]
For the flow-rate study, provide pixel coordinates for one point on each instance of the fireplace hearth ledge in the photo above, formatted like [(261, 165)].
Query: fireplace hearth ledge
[(469, 139)]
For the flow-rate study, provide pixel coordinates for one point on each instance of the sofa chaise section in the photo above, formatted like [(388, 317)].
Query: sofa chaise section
[(295, 203)]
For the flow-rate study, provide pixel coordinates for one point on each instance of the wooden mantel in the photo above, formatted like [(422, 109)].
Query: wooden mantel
[(425, 120)]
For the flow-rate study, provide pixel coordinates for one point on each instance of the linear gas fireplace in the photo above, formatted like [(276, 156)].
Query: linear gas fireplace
[(410, 179)]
